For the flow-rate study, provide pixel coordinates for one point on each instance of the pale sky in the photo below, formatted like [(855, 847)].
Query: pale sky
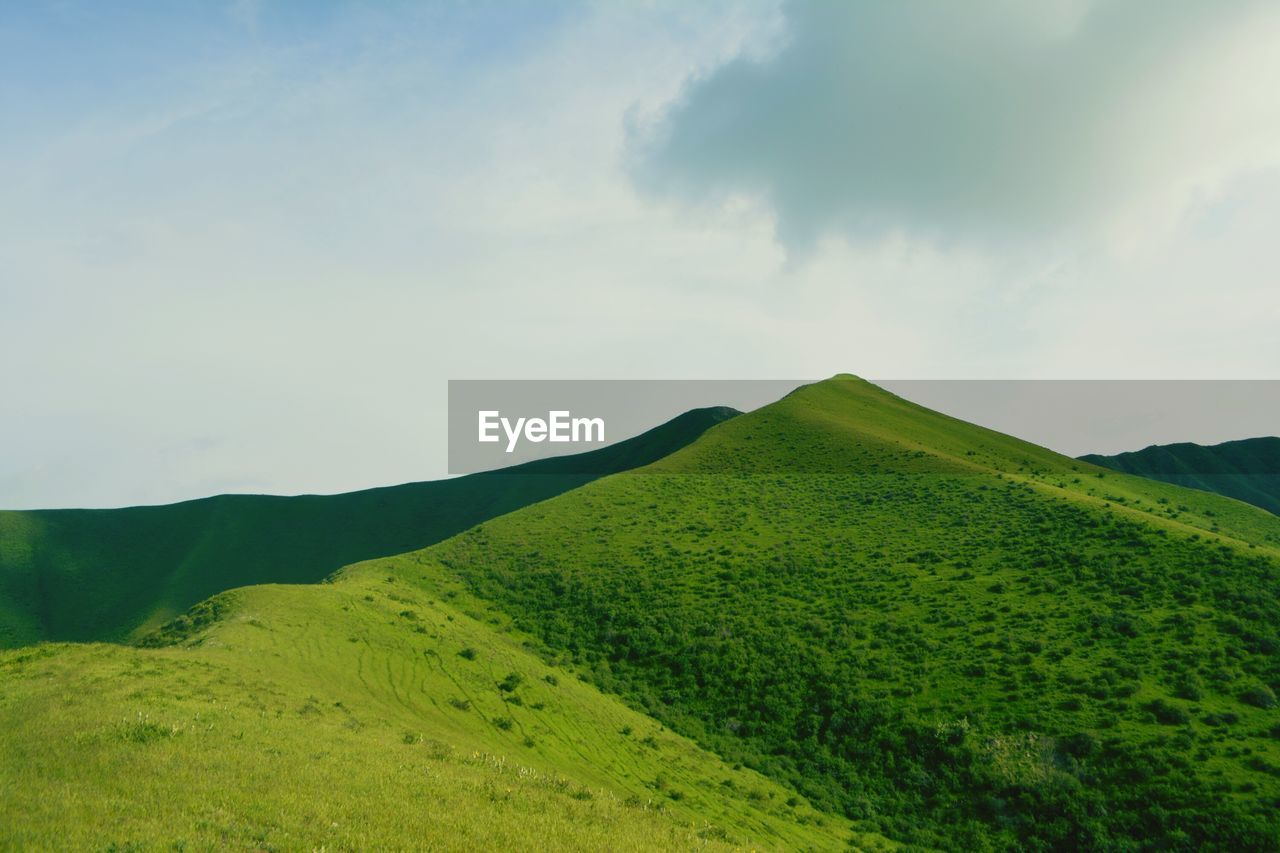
[(243, 246)]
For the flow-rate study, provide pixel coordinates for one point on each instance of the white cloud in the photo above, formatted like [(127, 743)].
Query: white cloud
[(258, 270), (992, 120)]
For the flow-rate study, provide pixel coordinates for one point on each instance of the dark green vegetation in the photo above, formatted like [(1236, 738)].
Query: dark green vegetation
[(1248, 470), (110, 574), (951, 636)]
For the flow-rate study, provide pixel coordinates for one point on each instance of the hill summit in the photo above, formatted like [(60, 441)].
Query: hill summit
[(950, 635)]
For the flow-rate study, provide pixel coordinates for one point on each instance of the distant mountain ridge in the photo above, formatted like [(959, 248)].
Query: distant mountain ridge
[(1247, 470), (84, 575)]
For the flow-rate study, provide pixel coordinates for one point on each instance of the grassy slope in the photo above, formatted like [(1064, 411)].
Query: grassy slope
[(1248, 470), (361, 714), (951, 635), (108, 574)]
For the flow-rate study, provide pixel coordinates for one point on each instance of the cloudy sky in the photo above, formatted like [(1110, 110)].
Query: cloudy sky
[(243, 245)]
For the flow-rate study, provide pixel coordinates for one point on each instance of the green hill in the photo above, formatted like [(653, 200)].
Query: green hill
[(1247, 470), (952, 636), (358, 715), (836, 620), (109, 574)]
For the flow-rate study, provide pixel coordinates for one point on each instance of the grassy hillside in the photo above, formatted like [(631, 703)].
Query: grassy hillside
[(109, 574), (358, 715), (842, 603), (1247, 470), (952, 636)]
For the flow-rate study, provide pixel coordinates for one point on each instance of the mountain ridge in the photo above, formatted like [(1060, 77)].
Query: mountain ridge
[(914, 584), (107, 574), (1245, 469)]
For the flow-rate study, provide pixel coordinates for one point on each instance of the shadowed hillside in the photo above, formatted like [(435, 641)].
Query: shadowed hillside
[(1247, 470), (106, 574)]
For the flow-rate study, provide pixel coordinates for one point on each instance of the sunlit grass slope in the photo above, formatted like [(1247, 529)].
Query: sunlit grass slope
[(948, 634), (109, 574), (1247, 470), (362, 714)]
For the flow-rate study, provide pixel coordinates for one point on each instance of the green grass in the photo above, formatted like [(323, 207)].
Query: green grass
[(1247, 470), (112, 574), (952, 636), (346, 716), (840, 604)]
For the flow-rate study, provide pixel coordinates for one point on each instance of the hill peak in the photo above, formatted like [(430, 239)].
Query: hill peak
[(843, 424)]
